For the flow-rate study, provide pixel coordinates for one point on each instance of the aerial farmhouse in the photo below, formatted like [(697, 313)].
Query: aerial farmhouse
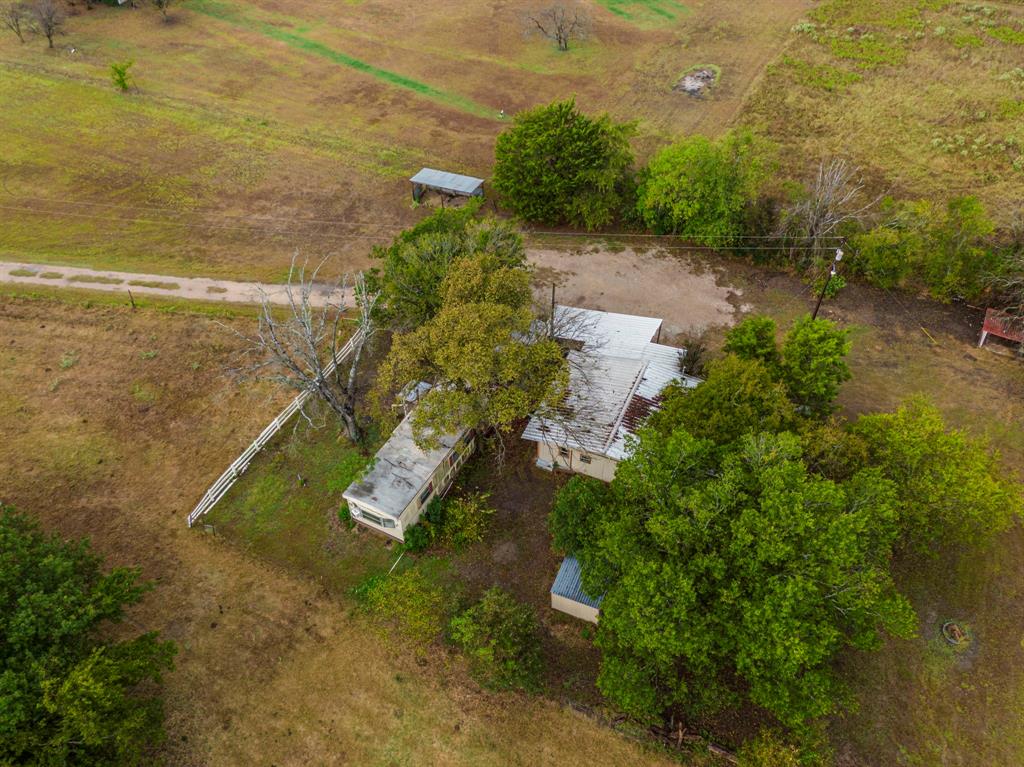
[(617, 373)]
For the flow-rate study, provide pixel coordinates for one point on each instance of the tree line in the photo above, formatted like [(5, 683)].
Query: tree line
[(556, 165)]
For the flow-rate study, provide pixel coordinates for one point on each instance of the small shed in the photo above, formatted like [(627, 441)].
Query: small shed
[(567, 593), (448, 184)]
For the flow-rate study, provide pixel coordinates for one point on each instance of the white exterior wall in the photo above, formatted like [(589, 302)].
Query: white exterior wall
[(575, 609), (600, 467)]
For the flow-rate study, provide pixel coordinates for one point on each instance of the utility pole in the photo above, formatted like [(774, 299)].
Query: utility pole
[(824, 288), (551, 324)]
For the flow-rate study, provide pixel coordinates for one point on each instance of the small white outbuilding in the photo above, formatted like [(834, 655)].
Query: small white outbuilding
[(567, 593), (403, 478)]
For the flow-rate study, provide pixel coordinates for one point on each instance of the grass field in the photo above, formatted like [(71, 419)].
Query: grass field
[(925, 95), (257, 129)]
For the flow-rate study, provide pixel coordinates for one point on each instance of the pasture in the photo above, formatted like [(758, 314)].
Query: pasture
[(259, 129), (256, 129)]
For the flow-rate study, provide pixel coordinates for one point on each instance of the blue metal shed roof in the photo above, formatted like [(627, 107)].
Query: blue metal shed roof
[(567, 584), (447, 182)]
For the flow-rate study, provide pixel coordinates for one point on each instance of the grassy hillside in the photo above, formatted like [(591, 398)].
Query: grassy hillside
[(927, 96), (257, 129)]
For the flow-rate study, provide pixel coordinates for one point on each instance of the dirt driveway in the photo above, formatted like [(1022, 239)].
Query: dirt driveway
[(192, 288), (690, 297)]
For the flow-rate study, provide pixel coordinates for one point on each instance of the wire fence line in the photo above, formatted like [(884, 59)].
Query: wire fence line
[(238, 467)]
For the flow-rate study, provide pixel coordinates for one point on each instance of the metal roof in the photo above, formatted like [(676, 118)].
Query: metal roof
[(616, 378), (448, 182), (567, 584), (399, 471)]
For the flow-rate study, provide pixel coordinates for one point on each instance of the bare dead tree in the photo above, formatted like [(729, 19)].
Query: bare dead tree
[(1007, 281), (560, 22), (48, 17), (15, 17), (835, 198), (298, 348)]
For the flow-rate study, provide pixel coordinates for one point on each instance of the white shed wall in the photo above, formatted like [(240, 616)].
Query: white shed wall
[(575, 609)]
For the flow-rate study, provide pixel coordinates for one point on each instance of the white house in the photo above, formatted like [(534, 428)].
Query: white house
[(402, 479), (617, 373)]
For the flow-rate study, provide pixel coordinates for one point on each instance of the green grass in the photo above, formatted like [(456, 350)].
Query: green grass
[(284, 508), (822, 76), (230, 14), (51, 275), (646, 11), (98, 279), (22, 272), (1006, 34), (155, 284)]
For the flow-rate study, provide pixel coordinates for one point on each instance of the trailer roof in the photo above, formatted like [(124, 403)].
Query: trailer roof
[(399, 471), (448, 182)]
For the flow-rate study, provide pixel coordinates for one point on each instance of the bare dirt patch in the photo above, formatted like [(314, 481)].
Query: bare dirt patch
[(688, 295), (697, 82)]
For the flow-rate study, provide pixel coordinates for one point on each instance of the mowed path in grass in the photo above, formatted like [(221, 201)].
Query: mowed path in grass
[(235, 15), (308, 119)]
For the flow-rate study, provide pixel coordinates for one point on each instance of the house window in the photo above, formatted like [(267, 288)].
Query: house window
[(370, 517), (389, 523), (564, 452), (426, 493), (584, 458)]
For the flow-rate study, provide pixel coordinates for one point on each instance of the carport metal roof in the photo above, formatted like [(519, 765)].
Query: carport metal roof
[(452, 183)]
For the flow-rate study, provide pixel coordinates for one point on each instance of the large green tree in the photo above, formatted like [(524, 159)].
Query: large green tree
[(735, 573), (811, 363), (952, 489), (481, 351), (738, 396), (67, 695), (700, 189), (413, 268), (556, 165)]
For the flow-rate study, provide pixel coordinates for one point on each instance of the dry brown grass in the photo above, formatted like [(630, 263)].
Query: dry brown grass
[(940, 115), (248, 138), (271, 671)]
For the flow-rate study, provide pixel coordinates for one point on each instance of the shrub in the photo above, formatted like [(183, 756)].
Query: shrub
[(500, 637), (121, 75), (465, 520), (952, 489), (418, 538), (700, 189), (814, 365), (417, 607), (556, 165), (945, 248), (754, 339), (768, 750)]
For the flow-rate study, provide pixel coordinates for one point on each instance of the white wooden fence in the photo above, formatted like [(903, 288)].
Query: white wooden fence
[(220, 488)]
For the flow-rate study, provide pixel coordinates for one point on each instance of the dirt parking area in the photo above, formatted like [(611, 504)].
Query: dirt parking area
[(690, 296)]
